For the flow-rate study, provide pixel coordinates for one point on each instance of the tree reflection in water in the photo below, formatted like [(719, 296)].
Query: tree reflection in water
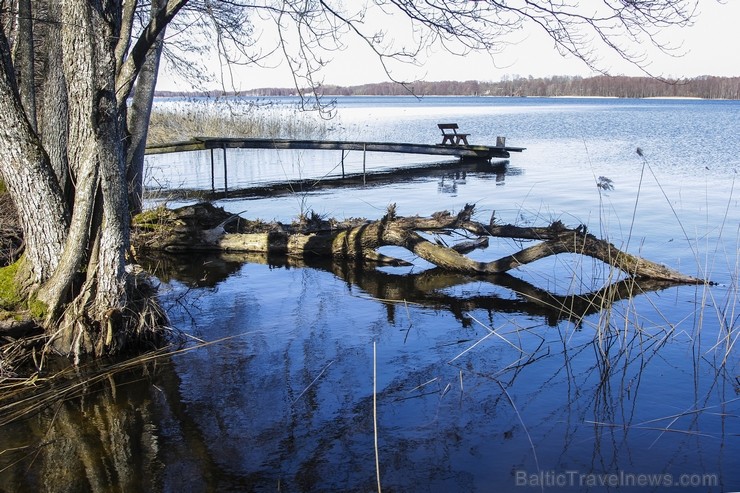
[(480, 378)]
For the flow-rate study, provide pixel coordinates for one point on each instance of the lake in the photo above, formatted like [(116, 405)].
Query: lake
[(472, 383)]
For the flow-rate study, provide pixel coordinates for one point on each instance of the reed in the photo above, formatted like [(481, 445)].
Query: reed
[(183, 120), (630, 332), (375, 416)]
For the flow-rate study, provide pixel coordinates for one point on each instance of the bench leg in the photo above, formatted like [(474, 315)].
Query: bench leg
[(462, 139), (447, 139)]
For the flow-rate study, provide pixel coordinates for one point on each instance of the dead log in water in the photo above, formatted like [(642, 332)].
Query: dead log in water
[(205, 227)]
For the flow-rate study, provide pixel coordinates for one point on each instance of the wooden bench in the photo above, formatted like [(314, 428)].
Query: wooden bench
[(451, 136)]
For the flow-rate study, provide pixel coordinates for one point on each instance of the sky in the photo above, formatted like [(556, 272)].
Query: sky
[(708, 48)]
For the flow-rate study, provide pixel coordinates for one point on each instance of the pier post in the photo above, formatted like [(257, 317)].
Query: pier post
[(213, 180), (364, 154), (226, 180), (342, 163)]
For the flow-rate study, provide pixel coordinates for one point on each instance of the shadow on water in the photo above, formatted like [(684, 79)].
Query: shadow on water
[(283, 402), (449, 173)]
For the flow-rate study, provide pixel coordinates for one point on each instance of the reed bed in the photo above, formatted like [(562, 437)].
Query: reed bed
[(181, 120)]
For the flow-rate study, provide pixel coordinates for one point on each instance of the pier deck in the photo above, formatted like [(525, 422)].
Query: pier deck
[(475, 152)]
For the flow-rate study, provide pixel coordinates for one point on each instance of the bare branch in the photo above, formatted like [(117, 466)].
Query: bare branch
[(131, 66)]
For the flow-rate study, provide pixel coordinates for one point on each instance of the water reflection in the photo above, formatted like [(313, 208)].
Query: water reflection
[(104, 440), (473, 391), (321, 176), (433, 288)]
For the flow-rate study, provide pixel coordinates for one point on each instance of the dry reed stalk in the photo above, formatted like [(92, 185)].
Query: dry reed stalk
[(375, 416), (521, 421), (491, 332), (313, 381)]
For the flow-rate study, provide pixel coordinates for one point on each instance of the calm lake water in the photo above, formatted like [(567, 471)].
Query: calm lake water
[(479, 385)]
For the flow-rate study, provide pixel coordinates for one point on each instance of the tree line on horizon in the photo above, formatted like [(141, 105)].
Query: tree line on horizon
[(705, 87)]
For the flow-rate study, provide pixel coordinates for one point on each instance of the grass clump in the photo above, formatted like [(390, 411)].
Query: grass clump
[(152, 219)]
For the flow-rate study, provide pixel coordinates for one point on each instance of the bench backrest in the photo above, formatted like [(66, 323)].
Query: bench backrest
[(448, 126)]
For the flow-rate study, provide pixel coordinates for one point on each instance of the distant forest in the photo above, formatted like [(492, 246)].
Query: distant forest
[(705, 87)]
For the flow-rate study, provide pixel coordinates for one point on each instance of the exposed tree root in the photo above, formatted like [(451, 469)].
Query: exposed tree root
[(140, 323)]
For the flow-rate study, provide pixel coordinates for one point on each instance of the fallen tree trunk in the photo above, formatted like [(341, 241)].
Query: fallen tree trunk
[(204, 227)]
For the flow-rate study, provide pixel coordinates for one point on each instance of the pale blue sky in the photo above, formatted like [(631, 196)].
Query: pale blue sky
[(710, 48)]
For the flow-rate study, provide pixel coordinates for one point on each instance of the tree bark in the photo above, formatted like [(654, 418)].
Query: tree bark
[(52, 97), (30, 181), (24, 60), (98, 229)]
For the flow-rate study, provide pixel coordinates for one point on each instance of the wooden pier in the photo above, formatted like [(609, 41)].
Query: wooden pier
[(476, 152), (464, 152)]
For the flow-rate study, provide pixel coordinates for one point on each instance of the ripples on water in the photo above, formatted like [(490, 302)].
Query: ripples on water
[(479, 389)]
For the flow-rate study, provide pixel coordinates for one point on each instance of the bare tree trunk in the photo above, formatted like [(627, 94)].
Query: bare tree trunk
[(31, 182), (138, 117), (52, 97), (24, 60), (98, 229)]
